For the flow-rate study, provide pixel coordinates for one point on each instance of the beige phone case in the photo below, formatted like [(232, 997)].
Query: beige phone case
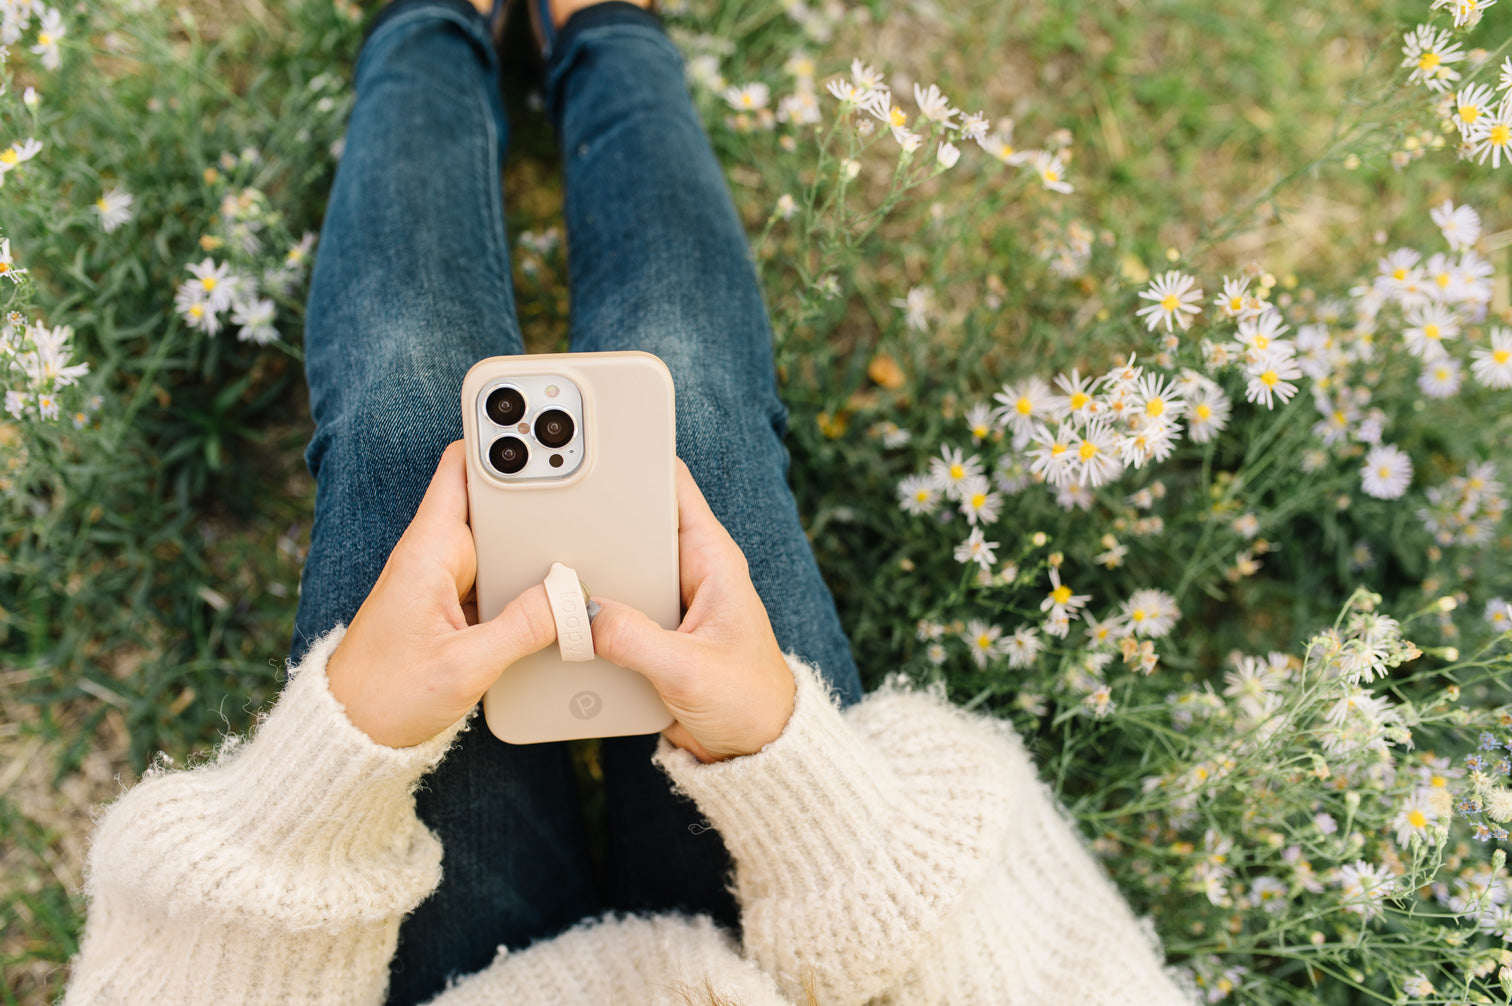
[(614, 520)]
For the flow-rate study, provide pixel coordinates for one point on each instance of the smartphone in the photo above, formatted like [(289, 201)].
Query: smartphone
[(570, 459)]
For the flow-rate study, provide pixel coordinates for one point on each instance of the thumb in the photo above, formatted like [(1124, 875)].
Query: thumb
[(628, 637), (488, 648)]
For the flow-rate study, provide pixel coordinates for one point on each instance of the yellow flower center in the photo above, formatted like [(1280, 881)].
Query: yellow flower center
[(978, 500), (1501, 355), (1204, 411), (1155, 407), (1079, 401), (1137, 615), (1170, 302), (1005, 151), (1061, 594), (922, 495), (1088, 449), (9, 155), (1428, 60), (1056, 450), (1269, 378), (4, 267), (1024, 406), (196, 311), (1399, 274), (208, 283), (1416, 818), (1438, 781), (1430, 331), (979, 431), (43, 38), (100, 202), (1442, 373), (898, 117), (1442, 279), (1236, 304), (984, 641), (1383, 472), (1469, 113), (1261, 341), (1501, 135)]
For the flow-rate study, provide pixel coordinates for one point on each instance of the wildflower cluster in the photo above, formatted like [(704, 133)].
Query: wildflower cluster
[(1479, 112), (37, 367)]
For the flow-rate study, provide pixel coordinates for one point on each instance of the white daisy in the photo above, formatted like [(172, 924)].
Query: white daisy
[(747, 97), (1414, 819), (1150, 612), (1000, 145), (979, 504), (1051, 455), (1207, 414), (18, 154), (1499, 614), (8, 267), (1051, 170), (983, 641), (1259, 331), (1429, 52), (953, 470), (1176, 298), (1428, 327), (979, 421), (1078, 398), (255, 317), (935, 106), (50, 31), (1022, 404), (1441, 378), (214, 283), (1364, 887), (1061, 603), (975, 126), (1491, 136), (1270, 377), (1096, 461), (1023, 647), (917, 307), (917, 494), (1493, 367), (1387, 472), (1236, 301), (198, 313), (1469, 105), (114, 209), (977, 549)]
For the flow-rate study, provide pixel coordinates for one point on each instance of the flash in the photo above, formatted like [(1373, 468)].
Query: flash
[(552, 390)]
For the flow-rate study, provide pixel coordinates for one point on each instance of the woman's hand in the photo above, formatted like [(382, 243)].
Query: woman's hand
[(414, 659), (721, 673)]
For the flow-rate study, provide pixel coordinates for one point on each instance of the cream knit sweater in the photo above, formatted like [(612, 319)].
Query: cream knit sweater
[(902, 851)]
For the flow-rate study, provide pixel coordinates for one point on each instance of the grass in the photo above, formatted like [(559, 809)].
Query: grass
[(156, 616)]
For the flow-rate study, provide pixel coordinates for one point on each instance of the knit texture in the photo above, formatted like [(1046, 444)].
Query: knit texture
[(902, 851)]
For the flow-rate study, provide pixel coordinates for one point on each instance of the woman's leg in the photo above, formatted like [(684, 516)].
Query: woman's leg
[(659, 261), (411, 287)]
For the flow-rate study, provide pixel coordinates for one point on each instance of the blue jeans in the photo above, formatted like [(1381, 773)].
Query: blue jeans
[(411, 286)]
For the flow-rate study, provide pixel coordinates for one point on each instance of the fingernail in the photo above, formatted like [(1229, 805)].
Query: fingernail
[(593, 609)]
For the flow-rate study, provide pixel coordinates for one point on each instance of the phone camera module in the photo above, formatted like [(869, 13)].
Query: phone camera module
[(506, 406), (508, 454), (554, 428)]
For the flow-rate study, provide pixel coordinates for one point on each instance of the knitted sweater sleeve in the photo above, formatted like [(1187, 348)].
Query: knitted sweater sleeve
[(905, 850), (276, 874)]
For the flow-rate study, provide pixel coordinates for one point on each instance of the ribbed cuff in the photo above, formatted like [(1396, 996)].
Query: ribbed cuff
[(788, 810), (312, 778)]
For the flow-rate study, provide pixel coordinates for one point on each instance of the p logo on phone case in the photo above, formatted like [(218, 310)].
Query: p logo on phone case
[(585, 705)]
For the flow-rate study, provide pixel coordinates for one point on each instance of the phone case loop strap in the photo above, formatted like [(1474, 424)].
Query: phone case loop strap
[(569, 607)]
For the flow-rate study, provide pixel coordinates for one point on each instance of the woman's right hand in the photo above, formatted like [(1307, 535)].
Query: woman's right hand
[(721, 672)]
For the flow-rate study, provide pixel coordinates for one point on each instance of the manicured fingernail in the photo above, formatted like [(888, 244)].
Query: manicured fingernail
[(593, 609)]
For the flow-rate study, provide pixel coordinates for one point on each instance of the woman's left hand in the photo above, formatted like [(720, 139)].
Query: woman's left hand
[(415, 659)]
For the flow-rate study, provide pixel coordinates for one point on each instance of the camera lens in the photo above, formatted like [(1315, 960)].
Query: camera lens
[(508, 454), (553, 428), (506, 406)]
